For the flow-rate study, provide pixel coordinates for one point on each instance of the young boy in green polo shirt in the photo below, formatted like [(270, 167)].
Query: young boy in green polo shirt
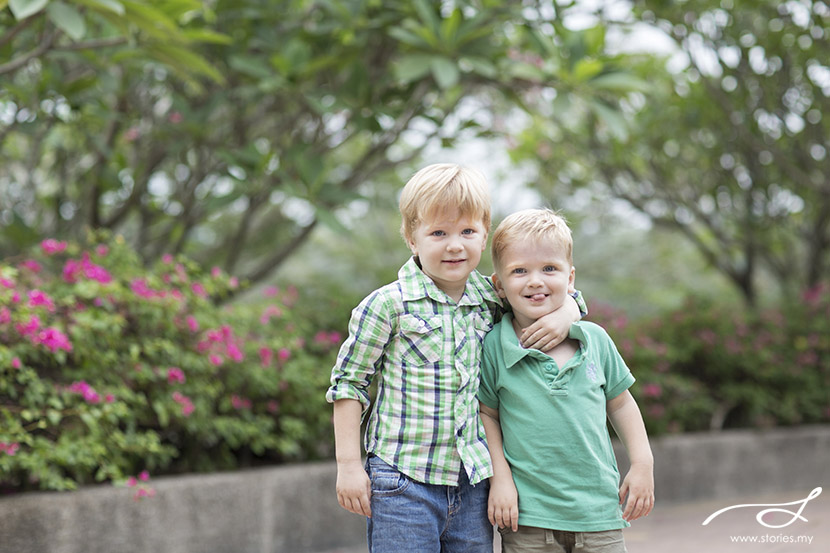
[(424, 484), (556, 485)]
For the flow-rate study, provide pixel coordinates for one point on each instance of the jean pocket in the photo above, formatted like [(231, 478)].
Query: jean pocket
[(386, 480)]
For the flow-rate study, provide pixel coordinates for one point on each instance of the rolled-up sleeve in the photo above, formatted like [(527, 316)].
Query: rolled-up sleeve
[(361, 354)]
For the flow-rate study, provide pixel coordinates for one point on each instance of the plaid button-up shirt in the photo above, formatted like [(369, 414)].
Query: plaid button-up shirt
[(425, 351)]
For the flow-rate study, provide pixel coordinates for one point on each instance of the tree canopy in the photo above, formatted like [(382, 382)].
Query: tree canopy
[(728, 147), (229, 130)]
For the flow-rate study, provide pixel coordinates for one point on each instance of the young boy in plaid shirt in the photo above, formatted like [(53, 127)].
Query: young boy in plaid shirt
[(424, 484)]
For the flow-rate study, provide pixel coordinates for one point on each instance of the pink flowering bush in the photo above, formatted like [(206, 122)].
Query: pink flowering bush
[(708, 367), (110, 369)]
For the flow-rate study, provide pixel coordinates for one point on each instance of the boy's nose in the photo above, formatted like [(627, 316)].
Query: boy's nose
[(454, 246)]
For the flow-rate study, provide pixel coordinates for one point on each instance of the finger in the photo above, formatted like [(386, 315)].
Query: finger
[(491, 515), (365, 506), (514, 519)]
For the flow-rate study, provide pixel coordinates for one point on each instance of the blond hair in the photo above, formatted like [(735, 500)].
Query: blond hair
[(533, 225), (443, 186)]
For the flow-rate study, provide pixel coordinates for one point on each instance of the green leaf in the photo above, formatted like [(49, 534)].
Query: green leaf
[(620, 81), (482, 66), (427, 15), (412, 68), (586, 68), (445, 72), (612, 118), (408, 37), (208, 36), (328, 219), (26, 8), (67, 19), (108, 5), (449, 28)]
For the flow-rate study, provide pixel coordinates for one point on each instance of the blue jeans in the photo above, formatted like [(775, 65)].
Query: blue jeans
[(409, 516)]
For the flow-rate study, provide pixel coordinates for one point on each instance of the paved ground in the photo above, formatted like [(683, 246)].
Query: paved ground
[(679, 529)]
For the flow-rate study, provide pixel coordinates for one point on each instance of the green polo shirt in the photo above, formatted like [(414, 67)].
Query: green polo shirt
[(554, 426)]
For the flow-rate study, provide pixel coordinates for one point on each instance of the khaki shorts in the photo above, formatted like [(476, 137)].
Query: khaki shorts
[(543, 540)]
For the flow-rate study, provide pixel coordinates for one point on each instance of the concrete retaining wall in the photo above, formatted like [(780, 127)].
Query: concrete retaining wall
[(293, 509)]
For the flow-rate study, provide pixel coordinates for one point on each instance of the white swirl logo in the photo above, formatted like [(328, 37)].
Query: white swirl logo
[(772, 508)]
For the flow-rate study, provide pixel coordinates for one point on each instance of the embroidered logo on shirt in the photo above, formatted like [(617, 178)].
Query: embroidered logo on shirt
[(592, 371)]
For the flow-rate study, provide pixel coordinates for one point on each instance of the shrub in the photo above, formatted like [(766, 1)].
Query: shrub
[(708, 367), (110, 369)]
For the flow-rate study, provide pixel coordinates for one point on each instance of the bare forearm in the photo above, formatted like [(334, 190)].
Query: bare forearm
[(628, 422), (347, 414), (501, 468)]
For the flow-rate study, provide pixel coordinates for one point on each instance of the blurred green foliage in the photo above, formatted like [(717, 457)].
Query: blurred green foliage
[(709, 366)]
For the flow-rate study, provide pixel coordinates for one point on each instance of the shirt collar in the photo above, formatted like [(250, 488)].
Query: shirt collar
[(514, 352), (415, 285)]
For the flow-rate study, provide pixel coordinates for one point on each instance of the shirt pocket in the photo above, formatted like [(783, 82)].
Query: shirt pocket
[(421, 339)]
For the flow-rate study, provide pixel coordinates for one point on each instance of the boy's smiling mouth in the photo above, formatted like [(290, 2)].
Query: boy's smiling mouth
[(537, 297)]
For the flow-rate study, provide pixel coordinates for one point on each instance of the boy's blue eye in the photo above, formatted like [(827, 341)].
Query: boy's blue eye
[(437, 233), (518, 271), (468, 231), (549, 268)]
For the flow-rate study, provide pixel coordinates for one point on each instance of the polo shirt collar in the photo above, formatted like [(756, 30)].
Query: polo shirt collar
[(416, 285), (514, 352)]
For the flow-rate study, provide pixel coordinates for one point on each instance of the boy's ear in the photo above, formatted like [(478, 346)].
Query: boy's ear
[(572, 280), (411, 245), (498, 286)]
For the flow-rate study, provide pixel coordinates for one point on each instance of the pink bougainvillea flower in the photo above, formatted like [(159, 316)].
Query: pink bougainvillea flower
[(216, 359), (74, 269), (54, 339), (9, 448), (652, 390), (38, 298), (239, 402), (199, 290), (175, 117), (30, 328), (216, 272), (102, 250), (51, 246), (167, 259), (144, 476), (5, 315), (273, 406), (86, 391), (266, 356), (16, 364), (268, 312), (185, 403), (6, 283), (32, 265), (270, 291), (234, 352), (283, 354), (192, 323), (175, 375)]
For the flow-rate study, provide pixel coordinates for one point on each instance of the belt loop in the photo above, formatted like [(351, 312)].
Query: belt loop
[(549, 537), (579, 544)]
